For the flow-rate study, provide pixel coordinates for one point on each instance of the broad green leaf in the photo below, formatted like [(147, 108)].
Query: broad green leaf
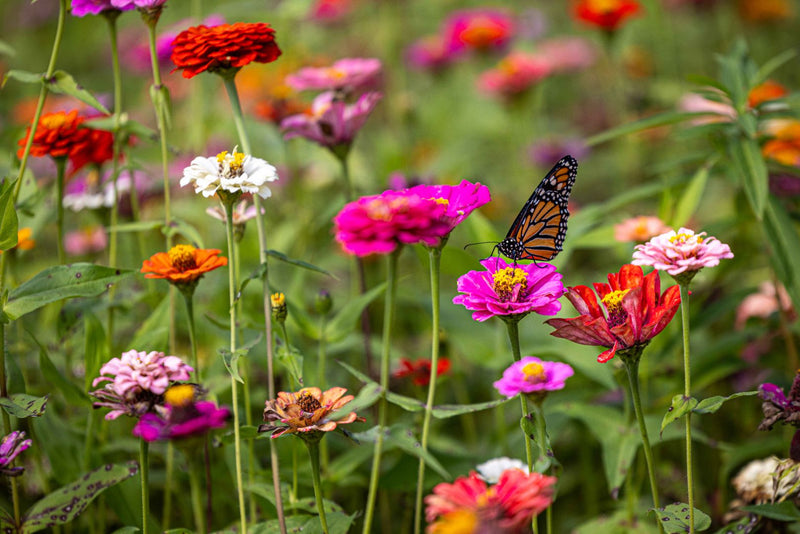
[(692, 195), (712, 404), (675, 518), (94, 347), (22, 406), (784, 242), (62, 82), (443, 411), (65, 504), (401, 437), (231, 359), (746, 525), (773, 64), (299, 263), (782, 511), (9, 223), (661, 119), (406, 403), (679, 407), (22, 76), (61, 282), (343, 322), (292, 361), (749, 164)]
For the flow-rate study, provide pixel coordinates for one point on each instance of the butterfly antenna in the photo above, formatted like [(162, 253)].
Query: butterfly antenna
[(480, 243)]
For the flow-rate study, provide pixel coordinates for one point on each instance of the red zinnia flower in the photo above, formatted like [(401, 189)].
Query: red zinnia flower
[(227, 46), (631, 311), (606, 14), (420, 370), (58, 135)]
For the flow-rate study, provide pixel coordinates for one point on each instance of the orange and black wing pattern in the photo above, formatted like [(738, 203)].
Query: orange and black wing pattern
[(539, 230)]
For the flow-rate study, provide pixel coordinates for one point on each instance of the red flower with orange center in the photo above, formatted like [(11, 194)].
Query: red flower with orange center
[(58, 135), (223, 47), (183, 264), (606, 14)]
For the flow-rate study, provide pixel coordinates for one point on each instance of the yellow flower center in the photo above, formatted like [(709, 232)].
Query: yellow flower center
[(54, 121), (683, 238), (278, 300), (613, 302), (230, 164), (179, 396), (534, 373), (604, 6), (456, 522), (510, 283), (308, 403), (182, 257)]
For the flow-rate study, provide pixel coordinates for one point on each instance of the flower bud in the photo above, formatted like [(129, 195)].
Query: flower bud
[(323, 303), (278, 301)]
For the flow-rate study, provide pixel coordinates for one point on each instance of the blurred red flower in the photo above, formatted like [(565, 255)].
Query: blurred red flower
[(606, 14), (420, 370)]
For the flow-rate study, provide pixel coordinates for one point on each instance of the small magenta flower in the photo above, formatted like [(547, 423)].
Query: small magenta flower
[(351, 75), (460, 200), (10, 447), (184, 417), (478, 29), (505, 289), (682, 252), (532, 375), (139, 4), (378, 224), (81, 8)]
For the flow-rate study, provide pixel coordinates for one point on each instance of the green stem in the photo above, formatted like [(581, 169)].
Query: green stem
[(388, 318), (541, 433), (197, 498), (145, 471), (111, 19), (313, 453), (348, 184), (61, 165), (232, 285), (7, 418), (169, 476), (687, 392), (189, 301), (321, 382), (435, 260), (238, 119), (512, 325)]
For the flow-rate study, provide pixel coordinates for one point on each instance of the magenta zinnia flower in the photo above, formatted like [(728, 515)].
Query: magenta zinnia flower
[(332, 123), (351, 75), (506, 289), (378, 224), (478, 29), (81, 8), (10, 447), (681, 252), (141, 4), (532, 375), (460, 200), (184, 418)]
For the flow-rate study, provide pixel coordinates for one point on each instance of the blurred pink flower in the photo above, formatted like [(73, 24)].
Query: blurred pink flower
[(429, 53), (567, 54), (182, 418), (506, 289), (763, 303), (87, 240), (329, 11), (532, 375), (351, 75), (460, 200), (332, 123), (140, 4), (515, 74), (716, 111), (378, 224), (470, 505), (81, 8), (640, 228), (87, 192), (681, 251), (545, 151), (478, 29), (12, 444), (242, 212)]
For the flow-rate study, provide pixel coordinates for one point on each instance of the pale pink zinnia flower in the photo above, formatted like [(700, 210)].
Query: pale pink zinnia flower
[(763, 303), (532, 375), (515, 74), (681, 252), (378, 224), (640, 229), (351, 75), (504, 508)]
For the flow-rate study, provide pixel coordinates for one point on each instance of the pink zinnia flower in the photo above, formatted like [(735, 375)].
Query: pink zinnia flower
[(329, 11), (763, 303), (504, 508), (87, 240), (378, 224), (140, 4), (332, 123), (81, 8), (184, 418), (10, 447), (478, 29), (515, 74), (506, 289), (430, 53), (460, 200), (681, 252), (351, 75), (532, 375), (631, 312), (639, 228)]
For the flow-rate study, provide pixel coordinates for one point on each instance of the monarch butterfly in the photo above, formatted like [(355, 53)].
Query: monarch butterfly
[(540, 227)]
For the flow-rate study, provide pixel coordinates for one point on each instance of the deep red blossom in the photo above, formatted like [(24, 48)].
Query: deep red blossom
[(420, 370), (606, 14), (630, 312)]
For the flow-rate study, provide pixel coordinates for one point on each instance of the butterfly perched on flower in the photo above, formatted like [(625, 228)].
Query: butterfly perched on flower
[(539, 230)]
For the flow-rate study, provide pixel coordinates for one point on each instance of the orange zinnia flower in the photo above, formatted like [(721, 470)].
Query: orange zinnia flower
[(606, 14), (183, 264), (223, 47), (769, 90), (307, 412), (58, 135), (24, 240)]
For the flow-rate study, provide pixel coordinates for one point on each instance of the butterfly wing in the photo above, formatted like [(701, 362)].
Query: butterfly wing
[(539, 230)]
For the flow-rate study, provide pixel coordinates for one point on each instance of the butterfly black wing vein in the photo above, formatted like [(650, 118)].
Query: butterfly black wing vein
[(539, 230)]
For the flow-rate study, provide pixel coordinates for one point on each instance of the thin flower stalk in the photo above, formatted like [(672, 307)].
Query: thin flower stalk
[(238, 119), (541, 431), (388, 319), (144, 469), (189, 301), (313, 453), (197, 500), (687, 392)]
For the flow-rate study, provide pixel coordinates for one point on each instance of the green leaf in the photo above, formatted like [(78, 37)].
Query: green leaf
[(153, 334), (9, 223), (6, 49), (126, 125), (61, 282), (22, 406), (444, 411), (749, 164), (746, 525), (127, 530), (618, 523), (292, 361), (675, 518), (181, 227), (692, 195), (63, 83), (366, 397), (660, 119), (7, 523), (773, 64), (65, 504), (257, 274), (401, 437), (406, 403), (22, 76), (679, 407), (782, 511), (784, 242), (712, 404), (94, 348), (299, 263), (231, 359), (138, 226), (72, 393), (344, 321)]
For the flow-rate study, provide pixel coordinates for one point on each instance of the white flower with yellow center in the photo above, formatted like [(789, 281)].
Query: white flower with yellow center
[(230, 172)]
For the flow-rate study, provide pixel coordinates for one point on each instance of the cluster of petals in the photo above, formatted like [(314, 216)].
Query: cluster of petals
[(351, 75), (233, 173), (764, 92), (307, 412), (507, 289), (532, 375), (639, 229), (767, 480), (681, 251), (223, 47), (11, 446), (503, 508), (478, 29), (378, 224), (62, 135), (631, 311), (460, 200), (81, 8), (135, 380), (329, 11), (139, 4), (419, 371), (331, 122), (183, 264), (606, 14), (181, 420), (515, 74), (767, 300), (778, 406)]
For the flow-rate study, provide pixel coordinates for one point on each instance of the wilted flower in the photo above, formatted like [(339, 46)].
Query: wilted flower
[(478, 29), (183, 418), (492, 470), (515, 74), (631, 312), (420, 371), (606, 14), (87, 240), (505, 289), (532, 375), (10, 447), (504, 508), (183, 264), (767, 481), (229, 173), (640, 228), (307, 412), (223, 48), (779, 407), (351, 75), (81, 8), (681, 253), (378, 224)]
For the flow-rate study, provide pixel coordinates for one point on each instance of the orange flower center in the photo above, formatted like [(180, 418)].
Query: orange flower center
[(456, 522), (54, 121), (482, 32), (534, 373), (182, 257), (613, 302), (510, 283), (308, 403), (604, 6), (179, 396), (335, 73)]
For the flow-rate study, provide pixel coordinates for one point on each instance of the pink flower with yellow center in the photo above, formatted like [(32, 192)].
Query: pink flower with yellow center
[(681, 252), (532, 375), (459, 200)]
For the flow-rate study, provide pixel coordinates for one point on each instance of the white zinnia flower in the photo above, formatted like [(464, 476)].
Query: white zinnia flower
[(234, 173), (491, 470)]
